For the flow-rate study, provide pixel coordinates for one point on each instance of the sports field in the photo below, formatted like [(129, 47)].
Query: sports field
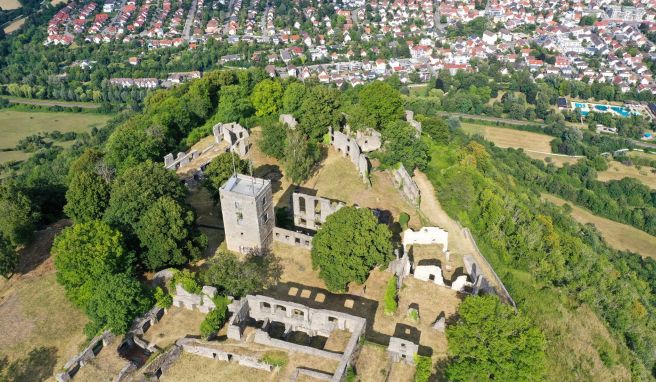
[(15, 125), (617, 235)]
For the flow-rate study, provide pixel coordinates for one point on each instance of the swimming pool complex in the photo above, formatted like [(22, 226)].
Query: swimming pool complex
[(586, 108)]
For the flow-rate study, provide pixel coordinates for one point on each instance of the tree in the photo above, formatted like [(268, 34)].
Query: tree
[(220, 170), (84, 253), (234, 104), (391, 305), (293, 98), (300, 156), (266, 97), (319, 111), (382, 102), (137, 189), (273, 141), (491, 341), (8, 258), (233, 277), (402, 145), (348, 246), (116, 301), (87, 197), (168, 236), (18, 217), (436, 128)]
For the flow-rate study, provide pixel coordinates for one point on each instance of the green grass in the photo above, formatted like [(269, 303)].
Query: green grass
[(15, 125)]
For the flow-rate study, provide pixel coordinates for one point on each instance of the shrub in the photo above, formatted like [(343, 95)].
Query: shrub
[(423, 368), (350, 374), (187, 280), (275, 358), (390, 296), (404, 218), (162, 298), (213, 321)]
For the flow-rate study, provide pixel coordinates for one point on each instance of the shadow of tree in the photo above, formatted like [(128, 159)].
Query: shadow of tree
[(39, 365)]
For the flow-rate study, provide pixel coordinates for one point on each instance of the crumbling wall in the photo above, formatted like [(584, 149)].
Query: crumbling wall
[(193, 346), (406, 185), (426, 236), (204, 301), (402, 350), (369, 140), (350, 149), (289, 120), (311, 212), (181, 160), (431, 273), (293, 238), (162, 363), (82, 358), (235, 135), (410, 118)]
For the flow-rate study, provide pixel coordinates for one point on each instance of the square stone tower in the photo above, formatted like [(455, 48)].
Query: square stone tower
[(247, 208)]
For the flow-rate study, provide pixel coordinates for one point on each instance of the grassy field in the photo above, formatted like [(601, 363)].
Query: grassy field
[(15, 25), (9, 4), (617, 235), (40, 328), (617, 171), (534, 145), (15, 125)]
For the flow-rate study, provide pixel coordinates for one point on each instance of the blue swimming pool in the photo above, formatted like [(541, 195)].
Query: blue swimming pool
[(624, 112), (586, 108)]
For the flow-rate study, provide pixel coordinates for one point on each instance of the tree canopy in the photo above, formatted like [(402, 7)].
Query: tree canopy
[(87, 197), (238, 278), (490, 341), (267, 97), (382, 102), (301, 154), (168, 236), (8, 258), (220, 170), (84, 253), (348, 246)]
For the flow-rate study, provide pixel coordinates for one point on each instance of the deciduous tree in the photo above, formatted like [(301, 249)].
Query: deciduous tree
[(266, 97), (87, 197), (220, 170), (348, 246)]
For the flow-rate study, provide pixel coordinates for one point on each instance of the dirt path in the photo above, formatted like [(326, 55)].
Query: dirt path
[(459, 242)]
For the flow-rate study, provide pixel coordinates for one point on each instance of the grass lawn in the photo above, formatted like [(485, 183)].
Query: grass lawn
[(617, 171), (15, 125), (195, 368), (617, 235)]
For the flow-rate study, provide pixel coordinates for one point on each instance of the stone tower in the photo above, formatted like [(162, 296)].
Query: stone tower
[(247, 208)]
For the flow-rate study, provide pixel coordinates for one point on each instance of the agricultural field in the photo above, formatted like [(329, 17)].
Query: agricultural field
[(15, 125), (617, 235), (15, 25), (617, 171), (536, 146), (9, 4)]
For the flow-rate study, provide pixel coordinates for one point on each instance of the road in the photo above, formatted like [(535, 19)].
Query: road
[(186, 32)]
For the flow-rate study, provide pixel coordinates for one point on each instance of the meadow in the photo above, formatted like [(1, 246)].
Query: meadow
[(617, 171), (617, 235), (15, 125), (535, 145)]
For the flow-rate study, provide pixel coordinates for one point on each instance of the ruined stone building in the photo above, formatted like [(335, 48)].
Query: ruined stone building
[(248, 216), (235, 135), (310, 212)]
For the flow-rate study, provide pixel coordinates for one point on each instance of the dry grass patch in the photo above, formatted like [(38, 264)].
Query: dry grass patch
[(200, 369), (38, 323), (105, 367), (373, 364), (617, 171), (617, 235), (401, 372), (506, 137), (7, 5), (176, 323), (557, 160), (297, 267)]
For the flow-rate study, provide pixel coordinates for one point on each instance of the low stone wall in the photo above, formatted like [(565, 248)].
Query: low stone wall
[(402, 350), (406, 185), (313, 374), (90, 352), (288, 237), (171, 163), (192, 346), (162, 363), (263, 338)]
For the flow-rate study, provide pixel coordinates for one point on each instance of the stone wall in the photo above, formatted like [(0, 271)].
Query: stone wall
[(235, 135), (311, 212), (293, 238), (406, 185), (196, 347), (431, 273), (171, 163), (402, 350), (289, 120), (349, 148), (426, 236), (204, 301), (410, 118), (162, 363), (82, 358)]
